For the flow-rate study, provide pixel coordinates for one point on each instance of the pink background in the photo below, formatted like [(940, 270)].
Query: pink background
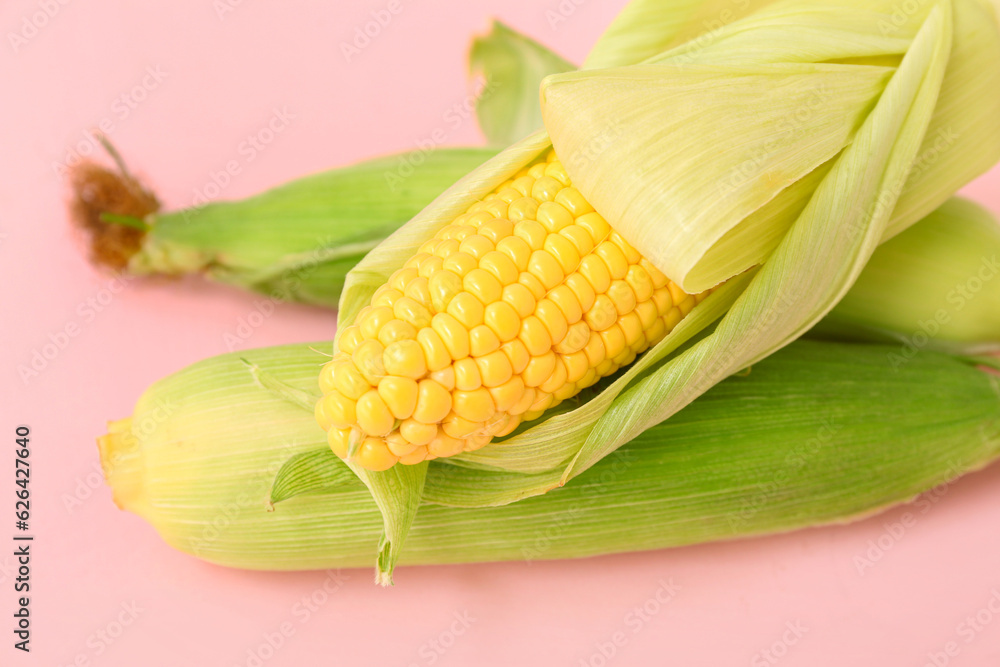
[(223, 78)]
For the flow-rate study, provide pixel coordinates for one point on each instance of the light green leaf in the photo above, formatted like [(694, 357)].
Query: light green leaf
[(513, 66), (312, 473)]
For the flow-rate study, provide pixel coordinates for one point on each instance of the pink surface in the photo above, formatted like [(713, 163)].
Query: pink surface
[(93, 566)]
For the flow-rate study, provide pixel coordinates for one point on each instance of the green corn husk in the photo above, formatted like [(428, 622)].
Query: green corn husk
[(295, 242), (770, 160), (934, 286), (817, 433)]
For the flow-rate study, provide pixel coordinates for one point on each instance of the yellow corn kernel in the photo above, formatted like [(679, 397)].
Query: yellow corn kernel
[(494, 368), (576, 338), (539, 369), (454, 335), (411, 311), (477, 246), (435, 351), (531, 232), (482, 341), (429, 267), (552, 317), (576, 364), (444, 445), (535, 335), (368, 360), (466, 309), (386, 296), (339, 440), (596, 225), (602, 314), (564, 252), (416, 432), (433, 402), (483, 285), (594, 349), (568, 304), (467, 377), (517, 249), (571, 199), (506, 395), (375, 455), (503, 320), (476, 405), (596, 272), (414, 457), (545, 267), (520, 298), (546, 188), (350, 339), (622, 296), (398, 445), (640, 282), (553, 216), (524, 208), (500, 266), (517, 353), (405, 358), (395, 330), (580, 239), (399, 395), (445, 377), (523, 184), (496, 230), (348, 380), (534, 285), (556, 171), (459, 427), (459, 263), (372, 414), (402, 277), (373, 320)]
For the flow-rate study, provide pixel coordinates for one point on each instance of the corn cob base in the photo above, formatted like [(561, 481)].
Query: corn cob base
[(517, 305)]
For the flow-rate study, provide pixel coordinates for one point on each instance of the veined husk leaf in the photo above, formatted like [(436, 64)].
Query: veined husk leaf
[(817, 433), (936, 285), (708, 210), (512, 66)]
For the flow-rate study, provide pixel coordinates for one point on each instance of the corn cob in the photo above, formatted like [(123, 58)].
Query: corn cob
[(515, 306), (816, 433)]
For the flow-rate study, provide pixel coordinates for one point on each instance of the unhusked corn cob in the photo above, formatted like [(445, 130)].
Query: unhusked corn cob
[(514, 307)]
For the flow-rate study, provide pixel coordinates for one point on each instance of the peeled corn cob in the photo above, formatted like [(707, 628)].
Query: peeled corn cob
[(518, 304)]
